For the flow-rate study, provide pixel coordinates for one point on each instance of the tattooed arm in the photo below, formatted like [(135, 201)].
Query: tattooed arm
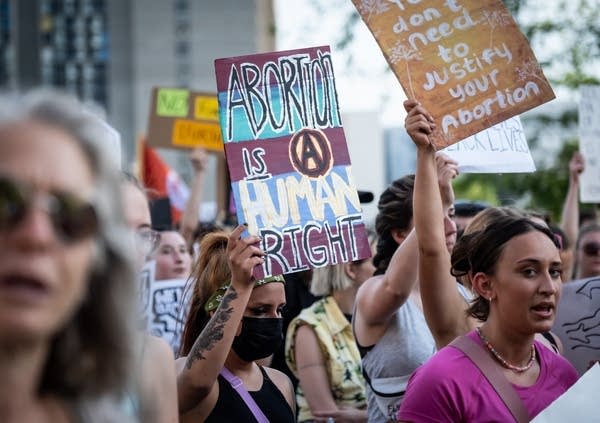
[(196, 379)]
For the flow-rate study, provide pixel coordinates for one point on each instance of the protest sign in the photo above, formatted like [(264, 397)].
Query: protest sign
[(578, 404), (288, 160), (145, 280), (165, 315), (500, 149), (577, 322), (180, 118), (163, 306), (589, 142), (466, 61)]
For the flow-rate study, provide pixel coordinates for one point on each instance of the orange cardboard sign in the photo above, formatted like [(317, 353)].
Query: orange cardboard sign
[(180, 118), (466, 61)]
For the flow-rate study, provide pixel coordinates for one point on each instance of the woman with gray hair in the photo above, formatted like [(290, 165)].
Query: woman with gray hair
[(321, 350), (66, 273)]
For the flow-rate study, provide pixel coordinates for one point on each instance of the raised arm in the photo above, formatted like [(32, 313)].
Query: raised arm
[(198, 377), (569, 221), (379, 297), (447, 170), (443, 306), (189, 218)]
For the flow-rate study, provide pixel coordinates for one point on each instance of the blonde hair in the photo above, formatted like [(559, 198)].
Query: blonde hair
[(326, 280)]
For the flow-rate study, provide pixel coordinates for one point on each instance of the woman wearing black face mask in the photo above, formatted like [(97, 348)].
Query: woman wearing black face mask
[(228, 327)]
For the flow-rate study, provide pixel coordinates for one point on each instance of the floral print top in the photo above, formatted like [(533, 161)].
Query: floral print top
[(342, 359)]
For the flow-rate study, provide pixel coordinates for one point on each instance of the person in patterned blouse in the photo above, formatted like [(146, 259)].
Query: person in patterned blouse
[(321, 350)]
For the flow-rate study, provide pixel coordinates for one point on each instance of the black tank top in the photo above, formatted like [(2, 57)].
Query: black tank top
[(230, 407)]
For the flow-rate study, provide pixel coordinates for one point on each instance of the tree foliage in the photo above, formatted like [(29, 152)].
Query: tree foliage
[(568, 64), (565, 36), (543, 190)]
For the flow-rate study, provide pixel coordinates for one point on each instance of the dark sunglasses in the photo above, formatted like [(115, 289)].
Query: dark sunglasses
[(591, 248), (73, 219)]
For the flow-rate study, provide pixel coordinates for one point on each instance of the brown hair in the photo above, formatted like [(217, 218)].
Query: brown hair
[(481, 221), (480, 251), (489, 216), (395, 212), (210, 271)]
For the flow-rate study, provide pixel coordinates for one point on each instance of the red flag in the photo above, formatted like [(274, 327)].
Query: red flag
[(164, 182)]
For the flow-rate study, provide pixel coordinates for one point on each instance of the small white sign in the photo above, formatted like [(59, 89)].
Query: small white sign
[(579, 403), (577, 322), (589, 142), (500, 149), (164, 306)]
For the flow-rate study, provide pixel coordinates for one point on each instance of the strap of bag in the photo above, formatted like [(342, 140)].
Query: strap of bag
[(494, 376), (379, 393), (237, 384)]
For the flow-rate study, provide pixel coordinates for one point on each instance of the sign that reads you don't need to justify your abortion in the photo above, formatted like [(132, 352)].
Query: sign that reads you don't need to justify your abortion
[(465, 60)]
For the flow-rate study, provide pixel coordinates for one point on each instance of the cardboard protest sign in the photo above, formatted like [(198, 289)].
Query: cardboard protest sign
[(465, 61), (577, 322), (163, 306), (579, 403), (589, 142), (180, 118), (500, 149), (288, 160)]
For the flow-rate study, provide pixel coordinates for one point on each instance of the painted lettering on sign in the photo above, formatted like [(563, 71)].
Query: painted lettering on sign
[(466, 61), (288, 161), (281, 96), (315, 244), (287, 200)]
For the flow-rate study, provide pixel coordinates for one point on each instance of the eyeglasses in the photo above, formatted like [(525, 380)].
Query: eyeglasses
[(591, 248), (72, 218), (147, 240)]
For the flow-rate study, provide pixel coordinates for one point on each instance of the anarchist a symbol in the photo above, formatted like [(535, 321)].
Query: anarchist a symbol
[(310, 152)]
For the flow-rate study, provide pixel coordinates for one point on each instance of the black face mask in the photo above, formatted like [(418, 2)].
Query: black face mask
[(259, 337)]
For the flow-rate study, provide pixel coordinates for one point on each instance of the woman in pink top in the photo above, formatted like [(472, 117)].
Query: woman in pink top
[(515, 269)]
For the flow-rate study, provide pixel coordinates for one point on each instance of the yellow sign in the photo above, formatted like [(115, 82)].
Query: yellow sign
[(206, 108), (183, 119), (190, 133)]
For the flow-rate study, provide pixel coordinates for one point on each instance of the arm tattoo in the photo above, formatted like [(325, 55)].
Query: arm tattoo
[(213, 332)]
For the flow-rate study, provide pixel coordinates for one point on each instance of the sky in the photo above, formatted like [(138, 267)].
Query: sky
[(364, 83)]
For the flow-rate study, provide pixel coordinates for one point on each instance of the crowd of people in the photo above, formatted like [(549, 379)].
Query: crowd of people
[(454, 319)]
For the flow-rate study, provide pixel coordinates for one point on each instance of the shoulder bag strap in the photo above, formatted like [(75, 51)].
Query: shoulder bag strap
[(237, 384), (494, 376)]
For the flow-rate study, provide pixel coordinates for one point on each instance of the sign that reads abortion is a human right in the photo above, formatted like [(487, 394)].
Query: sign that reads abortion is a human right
[(288, 160), (465, 60)]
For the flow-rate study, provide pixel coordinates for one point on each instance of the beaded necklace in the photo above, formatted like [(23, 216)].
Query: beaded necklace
[(497, 356)]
